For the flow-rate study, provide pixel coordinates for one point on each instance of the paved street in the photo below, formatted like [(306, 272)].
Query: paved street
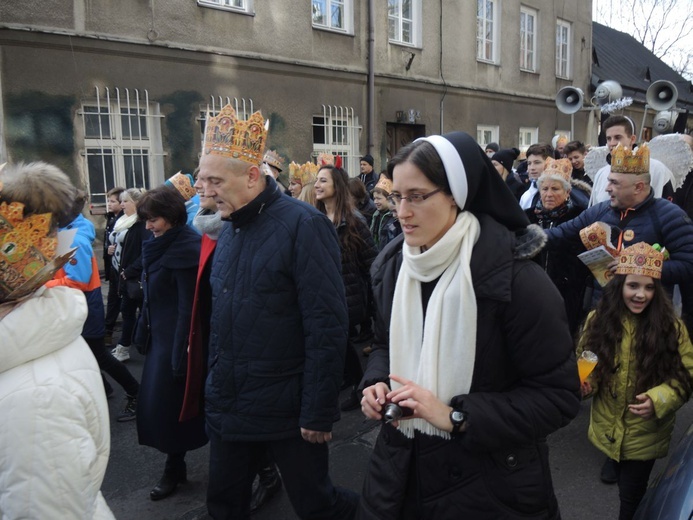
[(133, 470)]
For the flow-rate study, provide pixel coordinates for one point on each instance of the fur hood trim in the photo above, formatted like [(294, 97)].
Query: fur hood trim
[(529, 242)]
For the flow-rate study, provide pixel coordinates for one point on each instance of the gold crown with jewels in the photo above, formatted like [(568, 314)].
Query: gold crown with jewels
[(642, 259), (230, 137), (303, 173), (623, 160)]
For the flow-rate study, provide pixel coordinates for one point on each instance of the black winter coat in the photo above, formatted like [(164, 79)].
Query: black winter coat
[(170, 270), (384, 228), (130, 258), (279, 323), (570, 276), (356, 267), (524, 387)]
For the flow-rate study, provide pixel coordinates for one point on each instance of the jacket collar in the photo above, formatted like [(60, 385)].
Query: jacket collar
[(250, 211)]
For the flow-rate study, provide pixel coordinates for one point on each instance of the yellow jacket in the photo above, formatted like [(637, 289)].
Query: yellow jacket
[(620, 434)]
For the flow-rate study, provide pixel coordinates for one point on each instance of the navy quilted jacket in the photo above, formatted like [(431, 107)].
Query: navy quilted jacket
[(279, 322), (655, 221)]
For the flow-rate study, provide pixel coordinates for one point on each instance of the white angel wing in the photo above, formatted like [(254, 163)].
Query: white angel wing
[(595, 160), (674, 153)]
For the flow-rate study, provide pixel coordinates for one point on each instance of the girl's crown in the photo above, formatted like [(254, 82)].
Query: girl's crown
[(642, 259)]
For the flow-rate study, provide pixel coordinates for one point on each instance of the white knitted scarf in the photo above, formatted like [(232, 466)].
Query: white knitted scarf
[(436, 352)]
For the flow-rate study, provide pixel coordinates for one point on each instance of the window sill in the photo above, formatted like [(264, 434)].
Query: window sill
[(405, 44), (228, 8), (343, 32)]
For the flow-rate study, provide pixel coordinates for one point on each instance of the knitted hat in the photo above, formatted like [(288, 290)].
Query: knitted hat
[(368, 158), (474, 182), (495, 148), (506, 157)]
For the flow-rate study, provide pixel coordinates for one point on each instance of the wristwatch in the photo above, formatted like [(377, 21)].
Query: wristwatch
[(457, 418)]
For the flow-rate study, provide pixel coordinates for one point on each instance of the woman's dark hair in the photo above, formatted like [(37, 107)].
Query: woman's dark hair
[(164, 202), (655, 340), (357, 189), (350, 241), (423, 155)]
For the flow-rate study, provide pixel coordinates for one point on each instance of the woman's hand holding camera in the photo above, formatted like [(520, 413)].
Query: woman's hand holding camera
[(374, 398), (422, 402)]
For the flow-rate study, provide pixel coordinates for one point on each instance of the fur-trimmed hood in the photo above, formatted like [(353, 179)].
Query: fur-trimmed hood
[(581, 185), (529, 242)]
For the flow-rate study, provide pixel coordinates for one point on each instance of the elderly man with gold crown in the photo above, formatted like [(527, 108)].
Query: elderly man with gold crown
[(278, 331), (55, 433)]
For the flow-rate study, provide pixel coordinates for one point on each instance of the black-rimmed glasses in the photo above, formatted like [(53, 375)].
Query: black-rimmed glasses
[(414, 199)]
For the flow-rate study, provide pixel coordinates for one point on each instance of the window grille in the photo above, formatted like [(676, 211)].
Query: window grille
[(122, 141), (336, 130)]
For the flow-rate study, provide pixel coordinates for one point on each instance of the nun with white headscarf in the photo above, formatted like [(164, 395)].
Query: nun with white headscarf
[(472, 343)]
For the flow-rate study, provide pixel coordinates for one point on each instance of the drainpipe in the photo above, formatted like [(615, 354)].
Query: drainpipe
[(370, 132)]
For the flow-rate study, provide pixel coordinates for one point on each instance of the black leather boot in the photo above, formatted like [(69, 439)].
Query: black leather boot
[(268, 483), (167, 486)]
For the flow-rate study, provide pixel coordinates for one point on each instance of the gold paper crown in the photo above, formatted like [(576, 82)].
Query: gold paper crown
[(325, 159), (642, 259), (561, 139), (303, 173), (26, 246), (560, 167), (625, 161), (273, 159), (384, 184), (184, 184), (228, 136), (596, 235)]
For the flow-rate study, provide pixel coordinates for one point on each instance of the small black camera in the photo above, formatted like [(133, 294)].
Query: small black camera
[(394, 412)]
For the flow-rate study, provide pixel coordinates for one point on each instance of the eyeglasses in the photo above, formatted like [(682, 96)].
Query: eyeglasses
[(415, 199)]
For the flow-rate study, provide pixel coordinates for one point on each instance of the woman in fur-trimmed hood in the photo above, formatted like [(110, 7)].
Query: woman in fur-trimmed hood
[(557, 204), (485, 363)]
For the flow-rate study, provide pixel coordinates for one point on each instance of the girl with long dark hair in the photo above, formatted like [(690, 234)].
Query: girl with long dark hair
[(358, 252), (644, 371)]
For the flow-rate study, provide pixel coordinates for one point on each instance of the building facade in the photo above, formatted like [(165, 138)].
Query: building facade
[(115, 93)]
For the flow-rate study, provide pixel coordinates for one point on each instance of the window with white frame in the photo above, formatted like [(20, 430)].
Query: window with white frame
[(333, 15), (528, 39), (528, 136), (563, 48), (243, 107), (486, 134), (239, 6), (404, 22), (336, 130), (487, 19), (122, 142)]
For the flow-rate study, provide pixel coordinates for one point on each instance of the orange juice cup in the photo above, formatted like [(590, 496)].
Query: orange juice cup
[(586, 363)]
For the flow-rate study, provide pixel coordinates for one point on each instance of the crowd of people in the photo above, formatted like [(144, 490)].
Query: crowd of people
[(457, 265)]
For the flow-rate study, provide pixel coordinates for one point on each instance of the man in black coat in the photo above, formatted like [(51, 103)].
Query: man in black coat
[(278, 332), (368, 176)]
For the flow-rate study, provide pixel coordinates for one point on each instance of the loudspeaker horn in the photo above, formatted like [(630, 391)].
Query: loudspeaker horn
[(662, 95), (664, 121), (608, 91), (569, 100)]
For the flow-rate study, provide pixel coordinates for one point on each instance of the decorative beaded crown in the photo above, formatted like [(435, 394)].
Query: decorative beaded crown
[(623, 160), (303, 173), (642, 259), (273, 159), (384, 184), (228, 136), (27, 245), (558, 167), (183, 182), (598, 234)]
